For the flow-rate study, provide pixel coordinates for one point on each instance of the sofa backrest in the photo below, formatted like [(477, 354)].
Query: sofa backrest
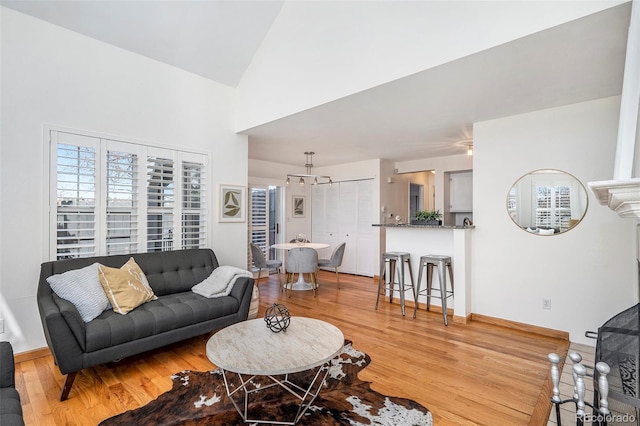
[(167, 271)]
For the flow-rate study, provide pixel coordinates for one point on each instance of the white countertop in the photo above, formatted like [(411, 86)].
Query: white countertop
[(408, 225), (289, 246)]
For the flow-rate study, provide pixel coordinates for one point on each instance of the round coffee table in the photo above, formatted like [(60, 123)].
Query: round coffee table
[(249, 349)]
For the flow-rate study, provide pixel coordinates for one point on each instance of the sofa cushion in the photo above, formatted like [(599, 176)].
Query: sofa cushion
[(168, 312), (167, 272), (7, 366), (125, 287), (10, 408), (82, 288), (177, 271), (10, 401)]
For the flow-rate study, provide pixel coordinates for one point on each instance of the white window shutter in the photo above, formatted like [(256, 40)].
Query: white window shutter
[(259, 225), (120, 197), (194, 230), (121, 202), (160, 204), (75, 198)]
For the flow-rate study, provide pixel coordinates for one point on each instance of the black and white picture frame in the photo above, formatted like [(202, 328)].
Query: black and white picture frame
[(298, 205)]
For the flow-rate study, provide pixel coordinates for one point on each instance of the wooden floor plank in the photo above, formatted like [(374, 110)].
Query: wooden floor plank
[(466, 374)]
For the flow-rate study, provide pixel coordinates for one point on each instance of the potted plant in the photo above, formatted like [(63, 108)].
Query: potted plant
[(427, 217)]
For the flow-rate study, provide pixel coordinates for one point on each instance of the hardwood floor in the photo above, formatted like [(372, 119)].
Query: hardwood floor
[(465, 374)]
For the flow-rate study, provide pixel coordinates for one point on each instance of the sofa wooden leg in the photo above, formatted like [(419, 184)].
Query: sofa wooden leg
[(66, 388)]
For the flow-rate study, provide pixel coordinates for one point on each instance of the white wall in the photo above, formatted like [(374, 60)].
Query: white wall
[(57, 77), (316, 52), (590, 272)]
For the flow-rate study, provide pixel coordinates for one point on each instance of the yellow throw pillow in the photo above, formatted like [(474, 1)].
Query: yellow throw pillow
[(127, 287)]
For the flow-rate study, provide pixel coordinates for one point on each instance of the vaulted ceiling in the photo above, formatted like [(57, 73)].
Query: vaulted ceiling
[(214, 39), (427, 114)]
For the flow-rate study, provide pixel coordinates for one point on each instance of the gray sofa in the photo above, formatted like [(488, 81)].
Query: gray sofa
[(10, 408), (177, 314)]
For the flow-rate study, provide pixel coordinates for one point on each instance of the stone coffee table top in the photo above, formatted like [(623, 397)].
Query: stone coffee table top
[(250, 347)]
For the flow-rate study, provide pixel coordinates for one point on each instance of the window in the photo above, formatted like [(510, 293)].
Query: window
[(121, 202), (76, 202), (103, 189), (263, 220), (160, 204), (193, 235), (553, 206), (259, 217)]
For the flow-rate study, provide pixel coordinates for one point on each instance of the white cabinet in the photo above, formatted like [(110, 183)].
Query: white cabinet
[(348, 224), (343, 213), (461, 192), (366, 235)]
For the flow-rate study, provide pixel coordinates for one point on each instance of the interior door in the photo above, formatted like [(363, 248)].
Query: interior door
[(318, 213), (265, 215), (259, 218), (348, 225), (366, 237)]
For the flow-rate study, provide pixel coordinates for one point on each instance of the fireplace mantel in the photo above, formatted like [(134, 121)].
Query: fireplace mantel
[(622, 196)]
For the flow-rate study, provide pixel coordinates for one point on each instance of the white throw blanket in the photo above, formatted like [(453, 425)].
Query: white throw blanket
[(220, 282)]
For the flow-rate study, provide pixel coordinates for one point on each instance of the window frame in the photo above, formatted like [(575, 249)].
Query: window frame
[(143, 149)]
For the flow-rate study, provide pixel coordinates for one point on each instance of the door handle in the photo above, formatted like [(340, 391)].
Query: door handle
[(277, 228)]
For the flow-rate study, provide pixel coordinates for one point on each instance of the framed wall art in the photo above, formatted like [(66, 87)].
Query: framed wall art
[(298, 206), (232, 203)]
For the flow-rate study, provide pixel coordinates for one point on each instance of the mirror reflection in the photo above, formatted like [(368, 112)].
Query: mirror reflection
[(547, 202)]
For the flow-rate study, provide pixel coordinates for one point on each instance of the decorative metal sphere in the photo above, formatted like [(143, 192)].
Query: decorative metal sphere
[(277, 318), (301, 238)]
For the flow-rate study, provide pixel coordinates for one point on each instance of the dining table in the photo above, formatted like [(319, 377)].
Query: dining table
[(301, 284)]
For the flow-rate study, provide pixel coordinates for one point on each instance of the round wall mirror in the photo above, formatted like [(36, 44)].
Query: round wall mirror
[(547, 202)]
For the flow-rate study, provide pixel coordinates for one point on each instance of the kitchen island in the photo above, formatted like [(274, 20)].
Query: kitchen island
[(454, 241)]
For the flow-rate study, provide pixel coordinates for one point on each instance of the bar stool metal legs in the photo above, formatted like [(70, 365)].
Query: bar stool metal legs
[(397, 261), (440, 262)]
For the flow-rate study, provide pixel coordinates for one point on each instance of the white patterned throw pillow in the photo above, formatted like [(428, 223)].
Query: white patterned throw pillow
[(82, 288)]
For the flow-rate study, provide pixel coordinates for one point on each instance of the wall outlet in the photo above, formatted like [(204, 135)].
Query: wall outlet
[(1, 326), (546, 304)]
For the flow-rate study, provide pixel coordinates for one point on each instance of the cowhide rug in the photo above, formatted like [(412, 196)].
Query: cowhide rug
[(200, 398)]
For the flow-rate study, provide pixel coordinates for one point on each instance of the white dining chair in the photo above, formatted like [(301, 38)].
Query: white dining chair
[(302, 260), (334, 261)]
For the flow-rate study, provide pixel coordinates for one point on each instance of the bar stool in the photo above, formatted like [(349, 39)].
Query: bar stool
[(395, 259), (441, 262)]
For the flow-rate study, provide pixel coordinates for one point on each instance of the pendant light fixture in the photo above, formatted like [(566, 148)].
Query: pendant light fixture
[(309, 165)]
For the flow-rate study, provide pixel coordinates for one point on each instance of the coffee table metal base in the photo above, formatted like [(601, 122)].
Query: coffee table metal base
[(305, 395)]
